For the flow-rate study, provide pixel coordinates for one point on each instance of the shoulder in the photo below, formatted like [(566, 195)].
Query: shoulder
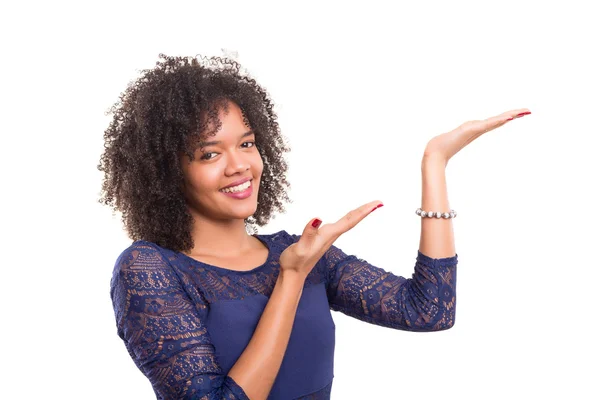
[(143, 265), (139, 253)]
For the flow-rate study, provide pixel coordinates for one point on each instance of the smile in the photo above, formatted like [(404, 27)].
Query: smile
[(239, 192), (238, 188)]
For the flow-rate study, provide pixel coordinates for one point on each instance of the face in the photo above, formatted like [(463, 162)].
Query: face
[(218, 165)]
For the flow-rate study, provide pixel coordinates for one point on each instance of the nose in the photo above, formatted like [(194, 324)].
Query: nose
[(237, 162)]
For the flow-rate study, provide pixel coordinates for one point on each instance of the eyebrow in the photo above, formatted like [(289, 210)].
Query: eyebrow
[(204, 144)]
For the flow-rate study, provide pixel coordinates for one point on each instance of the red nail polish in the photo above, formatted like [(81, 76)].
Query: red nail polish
[(522, 114), (380, 205), (316, 223), (510, 119)]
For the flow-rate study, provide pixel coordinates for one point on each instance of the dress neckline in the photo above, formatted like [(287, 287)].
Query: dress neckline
[(267, 262)]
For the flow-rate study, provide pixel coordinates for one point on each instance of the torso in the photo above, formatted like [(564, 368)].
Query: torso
[(246, 262)]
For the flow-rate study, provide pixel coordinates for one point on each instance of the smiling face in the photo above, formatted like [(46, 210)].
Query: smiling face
[(215, 166)]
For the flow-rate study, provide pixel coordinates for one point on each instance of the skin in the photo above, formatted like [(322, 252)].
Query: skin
[(437, 235), (219, 233), (219, 227), (220, 230), (446, 145)]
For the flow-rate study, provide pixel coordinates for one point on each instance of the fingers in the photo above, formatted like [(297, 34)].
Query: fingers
[(330, 232), (506, 116), (518, 113), (491, 123), (352, 218), (312, 228), (474, 129)]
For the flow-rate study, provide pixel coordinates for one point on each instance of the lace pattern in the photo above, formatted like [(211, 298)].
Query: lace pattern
[(162, 330), (161, 299), (426, 302)]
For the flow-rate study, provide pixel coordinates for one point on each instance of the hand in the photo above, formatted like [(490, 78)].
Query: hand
[(302, 256), (446, 145)]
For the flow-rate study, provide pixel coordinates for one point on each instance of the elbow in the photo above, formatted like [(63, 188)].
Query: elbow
[(438, 326), (445, 322), (445, 326), (445, 303), (440, 316), (430, 323)]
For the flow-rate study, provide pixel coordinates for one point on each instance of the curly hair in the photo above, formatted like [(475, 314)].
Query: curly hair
[(166, 113)]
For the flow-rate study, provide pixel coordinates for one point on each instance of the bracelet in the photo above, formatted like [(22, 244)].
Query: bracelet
[(431, 214)]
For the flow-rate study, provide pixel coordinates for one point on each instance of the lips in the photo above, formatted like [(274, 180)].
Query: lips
[(236, 183)]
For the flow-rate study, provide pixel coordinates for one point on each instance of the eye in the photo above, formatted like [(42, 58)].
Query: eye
[(205, 155)]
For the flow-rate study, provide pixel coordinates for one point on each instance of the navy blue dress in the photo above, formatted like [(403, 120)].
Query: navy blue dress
[(185, 323)]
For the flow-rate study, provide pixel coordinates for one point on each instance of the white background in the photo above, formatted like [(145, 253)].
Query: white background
[(359, 88)]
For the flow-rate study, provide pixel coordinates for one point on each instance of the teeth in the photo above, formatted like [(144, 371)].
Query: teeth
[(237, 188)]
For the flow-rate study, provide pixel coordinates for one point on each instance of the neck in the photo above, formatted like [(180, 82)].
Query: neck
[(219, 237)]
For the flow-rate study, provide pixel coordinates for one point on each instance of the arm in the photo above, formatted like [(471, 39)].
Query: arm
[(425, 302), (437, 236), (163, 331), (165, 335), (257, 367)]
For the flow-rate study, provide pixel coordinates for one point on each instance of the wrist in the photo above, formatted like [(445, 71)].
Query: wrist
[(433, 161), (291, 283), (291, 278)]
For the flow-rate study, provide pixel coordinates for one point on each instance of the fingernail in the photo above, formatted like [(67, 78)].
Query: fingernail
[(316, 223), (380, 205), (522, 114), (510, 119)]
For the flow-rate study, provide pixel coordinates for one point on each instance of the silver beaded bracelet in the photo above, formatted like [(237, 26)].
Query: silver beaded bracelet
[(431, 214)]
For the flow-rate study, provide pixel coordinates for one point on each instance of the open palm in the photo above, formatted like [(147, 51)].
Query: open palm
[(446, 145)]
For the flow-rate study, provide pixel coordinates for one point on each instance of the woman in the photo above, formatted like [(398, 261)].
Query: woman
[(193, 159)]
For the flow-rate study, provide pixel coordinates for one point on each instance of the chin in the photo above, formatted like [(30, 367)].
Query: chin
[(249, 210)]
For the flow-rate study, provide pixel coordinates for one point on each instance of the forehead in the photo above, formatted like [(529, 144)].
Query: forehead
[(229, 117), (226, 123)]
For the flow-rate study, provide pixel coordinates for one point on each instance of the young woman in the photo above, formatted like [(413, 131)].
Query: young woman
[(194, 160)]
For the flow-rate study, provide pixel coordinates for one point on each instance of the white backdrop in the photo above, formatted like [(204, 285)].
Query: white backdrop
[(359, 88)]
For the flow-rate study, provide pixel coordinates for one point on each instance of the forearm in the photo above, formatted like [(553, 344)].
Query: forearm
[(437, 235), (256, 369)]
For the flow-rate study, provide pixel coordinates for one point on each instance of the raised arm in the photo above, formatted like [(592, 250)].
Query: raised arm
[(437, 237), (427, 301)]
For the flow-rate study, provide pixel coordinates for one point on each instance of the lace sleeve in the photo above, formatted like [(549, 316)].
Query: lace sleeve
[(163, 331), (425, 302)]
